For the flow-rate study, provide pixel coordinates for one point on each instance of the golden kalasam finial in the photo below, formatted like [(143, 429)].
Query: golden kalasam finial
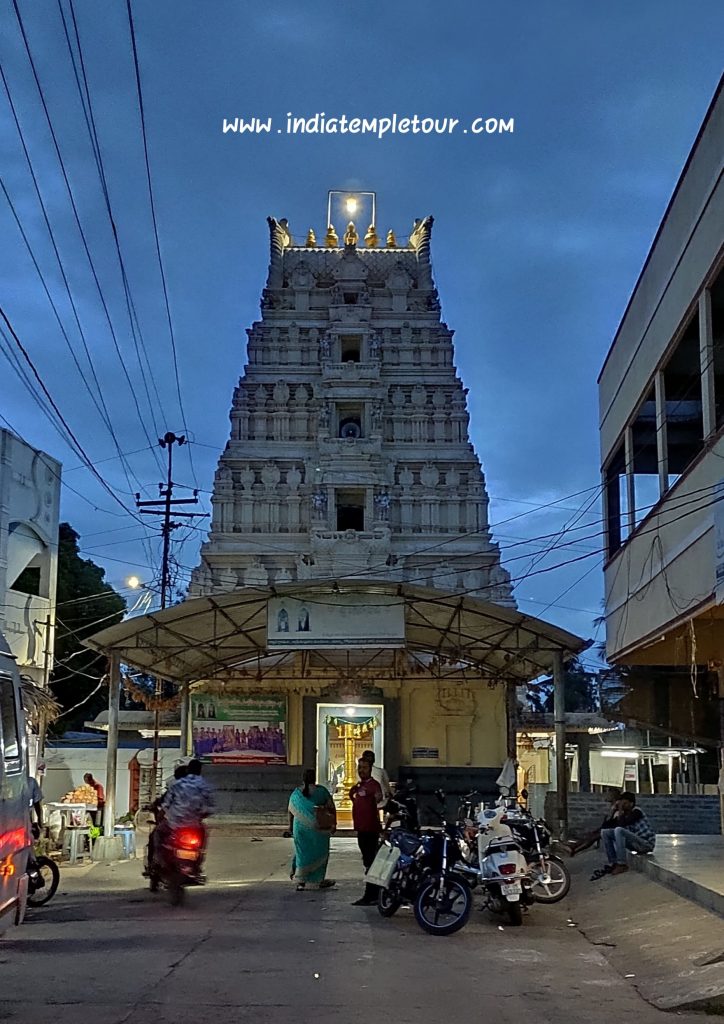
[(311, 238), (331, 238), (391, 240), (350, 236), (372, 239)]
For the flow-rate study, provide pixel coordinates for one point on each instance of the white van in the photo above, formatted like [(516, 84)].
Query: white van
[(15, 837)]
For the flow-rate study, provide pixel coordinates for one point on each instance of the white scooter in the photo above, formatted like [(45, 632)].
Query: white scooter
[(501, 866)]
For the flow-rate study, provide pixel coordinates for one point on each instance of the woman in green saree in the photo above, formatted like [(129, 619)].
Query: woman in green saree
[(311, 806)]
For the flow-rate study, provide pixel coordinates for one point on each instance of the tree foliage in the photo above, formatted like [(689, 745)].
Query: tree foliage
[(581, 690), (85, 604)]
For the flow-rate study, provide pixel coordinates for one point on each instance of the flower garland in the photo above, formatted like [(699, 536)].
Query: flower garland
[(361, 725), (149, 700)]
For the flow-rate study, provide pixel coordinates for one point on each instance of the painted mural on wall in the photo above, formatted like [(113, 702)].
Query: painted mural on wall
[(339, 620), (239, 730)]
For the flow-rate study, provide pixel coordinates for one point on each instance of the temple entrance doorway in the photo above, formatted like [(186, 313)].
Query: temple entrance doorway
[(344, 731)]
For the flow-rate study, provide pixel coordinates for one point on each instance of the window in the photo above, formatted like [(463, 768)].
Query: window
[(350, 346), (682, 387), (28, 582), (350, 506), (350, 298), (645, 458), (717, 323), (350, 422), (9, 731)]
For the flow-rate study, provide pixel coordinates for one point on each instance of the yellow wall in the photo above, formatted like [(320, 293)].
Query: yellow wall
[(465, 722)]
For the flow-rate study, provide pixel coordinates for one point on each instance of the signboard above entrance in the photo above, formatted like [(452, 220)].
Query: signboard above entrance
[(335, 620)]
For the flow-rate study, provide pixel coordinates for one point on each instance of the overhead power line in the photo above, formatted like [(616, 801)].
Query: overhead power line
[(78, 447), (84, 93), (139, 92), (79, 225)]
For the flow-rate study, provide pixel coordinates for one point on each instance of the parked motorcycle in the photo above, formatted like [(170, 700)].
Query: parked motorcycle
[(412, 863), (401, 809), (423, 875), (176, 860), (492, 856), (549, 874)]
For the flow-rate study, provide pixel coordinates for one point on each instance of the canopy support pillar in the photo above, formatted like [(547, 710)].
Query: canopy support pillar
[(559, 716), (185, 744), (109, 846)]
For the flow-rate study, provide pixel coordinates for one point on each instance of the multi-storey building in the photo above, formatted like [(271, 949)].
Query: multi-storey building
[(662, 447), (29, 512)]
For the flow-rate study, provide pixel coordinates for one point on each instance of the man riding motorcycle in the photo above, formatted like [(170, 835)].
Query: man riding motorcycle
[(186, 803), (179, 772)]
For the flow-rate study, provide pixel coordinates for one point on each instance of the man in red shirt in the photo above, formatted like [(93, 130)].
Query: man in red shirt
[(367, 797), (97, 815)]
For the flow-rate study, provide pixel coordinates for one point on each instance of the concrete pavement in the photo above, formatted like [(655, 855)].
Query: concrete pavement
[(690, 865), (248, 947)]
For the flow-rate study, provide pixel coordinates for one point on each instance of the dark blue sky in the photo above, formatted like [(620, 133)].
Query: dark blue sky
[(539, 235)]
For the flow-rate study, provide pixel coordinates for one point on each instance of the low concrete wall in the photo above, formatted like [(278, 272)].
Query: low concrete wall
[(240, 790), (685, 815)]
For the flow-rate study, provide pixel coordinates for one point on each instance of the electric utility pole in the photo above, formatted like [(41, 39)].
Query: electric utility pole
[(165, 506)]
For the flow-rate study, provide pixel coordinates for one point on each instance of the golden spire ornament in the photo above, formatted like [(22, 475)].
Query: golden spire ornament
[(372, 239), (311, 238), (350, 236), (391, 240), (331, 239)]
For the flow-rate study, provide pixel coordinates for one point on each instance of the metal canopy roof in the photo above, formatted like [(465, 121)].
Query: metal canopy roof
[(210, 636)]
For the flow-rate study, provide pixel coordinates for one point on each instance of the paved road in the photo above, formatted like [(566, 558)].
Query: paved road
[(250, 948)]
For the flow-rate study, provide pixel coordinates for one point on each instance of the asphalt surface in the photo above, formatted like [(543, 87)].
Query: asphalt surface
[(249, 948)]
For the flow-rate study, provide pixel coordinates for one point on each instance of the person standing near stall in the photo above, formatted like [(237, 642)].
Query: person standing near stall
[(97, 815)]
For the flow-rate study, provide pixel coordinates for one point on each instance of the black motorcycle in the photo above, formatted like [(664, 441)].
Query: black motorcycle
[(424, 876), (413, 864)]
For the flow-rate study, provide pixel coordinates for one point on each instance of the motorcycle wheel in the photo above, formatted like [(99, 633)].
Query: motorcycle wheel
[(388, 903), (448, 914), (515, 913), (557, 880), (50, 873)]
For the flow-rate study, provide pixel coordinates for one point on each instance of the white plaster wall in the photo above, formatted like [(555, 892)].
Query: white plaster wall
[(651, 585), (30, 495), (66, 766)]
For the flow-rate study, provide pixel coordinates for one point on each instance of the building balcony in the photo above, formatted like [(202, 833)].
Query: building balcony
[(358, 447), (664, 585), (350, 373)]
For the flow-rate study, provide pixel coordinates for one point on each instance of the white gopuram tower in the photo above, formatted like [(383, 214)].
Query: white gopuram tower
[(349, 452)]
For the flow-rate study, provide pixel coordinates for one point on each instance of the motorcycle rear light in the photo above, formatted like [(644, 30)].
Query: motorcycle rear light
[(189, 839), (507, 869)]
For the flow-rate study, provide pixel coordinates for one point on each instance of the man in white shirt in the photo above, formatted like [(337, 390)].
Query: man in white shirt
[(378, 774)]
